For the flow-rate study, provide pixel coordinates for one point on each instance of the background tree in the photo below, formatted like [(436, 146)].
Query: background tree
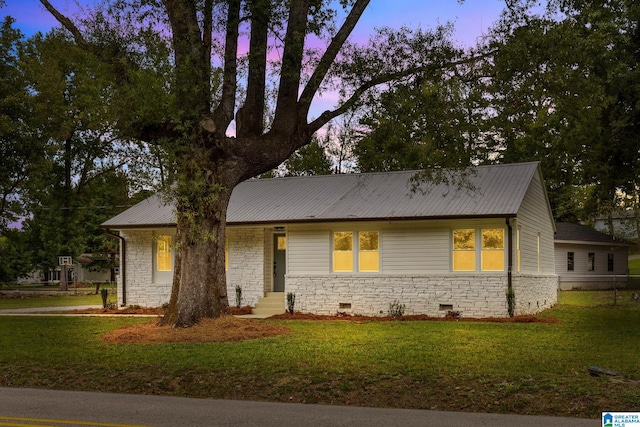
[(340, 139), (426, 123), (14, 256), (79, 181), (564, 90), (19, 151), (191, 113), (309, 160)]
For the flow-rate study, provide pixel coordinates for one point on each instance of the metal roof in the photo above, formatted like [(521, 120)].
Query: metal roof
[(567, 232), (490, 191)]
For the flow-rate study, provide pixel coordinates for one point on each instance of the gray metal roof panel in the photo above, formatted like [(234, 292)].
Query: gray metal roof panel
[(568, 232), (495, 190), (152, 211)]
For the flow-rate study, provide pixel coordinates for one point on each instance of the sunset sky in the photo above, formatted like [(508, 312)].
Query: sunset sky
[(471, 18)]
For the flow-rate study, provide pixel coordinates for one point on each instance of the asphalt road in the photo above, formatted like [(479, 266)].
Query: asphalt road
[(30, 407)]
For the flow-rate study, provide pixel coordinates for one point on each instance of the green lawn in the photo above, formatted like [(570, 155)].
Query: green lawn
[(531, 368), (57, 301), (634, 266)]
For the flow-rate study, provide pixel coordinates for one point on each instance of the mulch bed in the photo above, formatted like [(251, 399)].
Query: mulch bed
[(230, 328), (222, 329), (339, 316), (418, 317)]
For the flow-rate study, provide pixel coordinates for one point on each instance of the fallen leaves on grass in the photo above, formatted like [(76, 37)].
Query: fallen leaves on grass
[(223, 329)]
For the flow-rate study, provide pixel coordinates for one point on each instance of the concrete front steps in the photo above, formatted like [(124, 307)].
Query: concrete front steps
[(271, 304)]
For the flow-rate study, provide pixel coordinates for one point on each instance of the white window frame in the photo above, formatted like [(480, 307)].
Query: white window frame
[(355, 250), (478, 249)]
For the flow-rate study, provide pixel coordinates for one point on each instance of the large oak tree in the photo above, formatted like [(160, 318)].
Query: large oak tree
[(211, 117)]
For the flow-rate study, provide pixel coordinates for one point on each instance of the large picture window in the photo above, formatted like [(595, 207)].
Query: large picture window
[(464, 250), (491, 245), (493, 249), (366, 252), (163, 253)]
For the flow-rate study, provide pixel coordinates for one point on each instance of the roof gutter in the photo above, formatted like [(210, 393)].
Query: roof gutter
[(123, 264)]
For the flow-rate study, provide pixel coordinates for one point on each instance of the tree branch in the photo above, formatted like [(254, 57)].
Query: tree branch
[(207, 38), (286, 114), (69, 25), (330, 55), (224, 113), (328, 115), (250, 117)]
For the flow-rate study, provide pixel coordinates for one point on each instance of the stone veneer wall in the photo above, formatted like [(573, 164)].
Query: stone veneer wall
[(246, 268), (139, 270), (535, 292), (471, 295), (246, 264)]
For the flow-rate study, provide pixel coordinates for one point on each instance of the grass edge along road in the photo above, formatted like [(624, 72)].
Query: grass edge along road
[(28, 422), (533, 368)]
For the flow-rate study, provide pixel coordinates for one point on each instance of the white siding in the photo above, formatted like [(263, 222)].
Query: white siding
[(534, 219), (415, 248), (308, 249), (405, 247), (600, 277)]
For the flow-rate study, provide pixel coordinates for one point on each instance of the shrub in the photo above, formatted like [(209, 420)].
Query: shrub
[(238, 296), (396, 309), (291, 302), (511, 302)]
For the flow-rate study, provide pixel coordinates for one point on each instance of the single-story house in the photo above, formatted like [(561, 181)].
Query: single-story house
[(357, 243), (589, 259)]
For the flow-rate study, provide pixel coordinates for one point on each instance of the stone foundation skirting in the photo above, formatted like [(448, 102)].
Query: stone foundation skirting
[(434, 295)]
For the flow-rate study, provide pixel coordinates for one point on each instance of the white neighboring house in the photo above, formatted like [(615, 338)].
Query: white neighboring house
[(589, 259), (356, 243), (624, 224)]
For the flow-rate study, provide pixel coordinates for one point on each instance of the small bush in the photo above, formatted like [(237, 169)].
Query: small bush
[(238, 296), (511, 302), (396, 309), (451, 314), (291, 302)]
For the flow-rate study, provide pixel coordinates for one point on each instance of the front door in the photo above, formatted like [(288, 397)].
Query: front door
[(279, 261)]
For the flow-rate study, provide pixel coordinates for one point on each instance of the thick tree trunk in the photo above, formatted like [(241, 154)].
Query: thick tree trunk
[(199, 283)]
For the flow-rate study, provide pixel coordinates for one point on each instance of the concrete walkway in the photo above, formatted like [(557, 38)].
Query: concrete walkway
[(62, 408), (52, 311), (55, 311), (48, 309)]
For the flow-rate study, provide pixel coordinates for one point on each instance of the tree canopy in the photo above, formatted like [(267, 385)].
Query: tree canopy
[(180, 83)]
